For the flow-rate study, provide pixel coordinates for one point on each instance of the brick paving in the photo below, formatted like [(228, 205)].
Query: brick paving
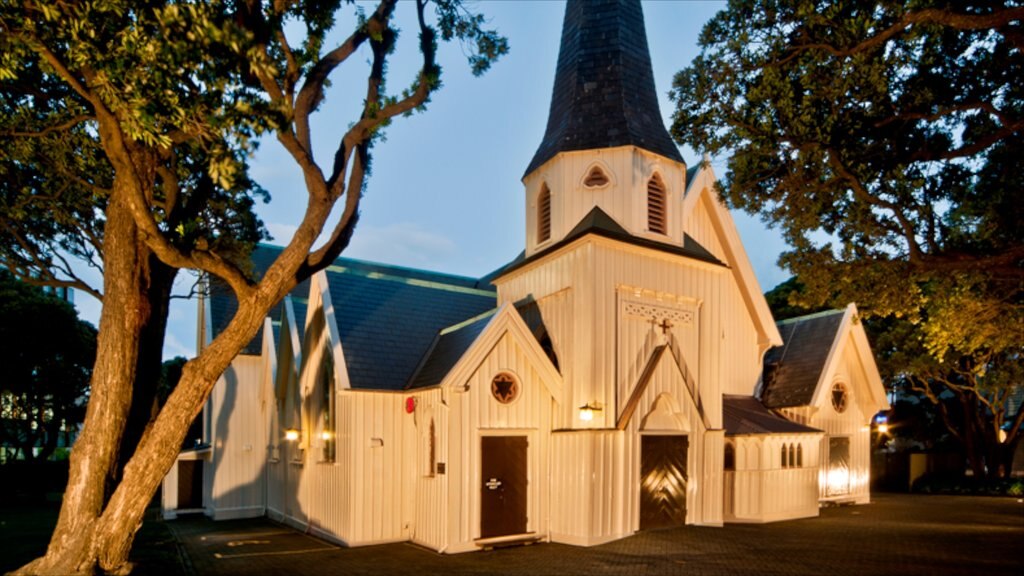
[(896, 534)]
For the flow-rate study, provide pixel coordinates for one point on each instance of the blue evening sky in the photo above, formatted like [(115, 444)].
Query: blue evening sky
[(445, 193)]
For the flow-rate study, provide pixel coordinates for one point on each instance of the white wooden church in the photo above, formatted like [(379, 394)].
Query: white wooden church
[(623, 373)]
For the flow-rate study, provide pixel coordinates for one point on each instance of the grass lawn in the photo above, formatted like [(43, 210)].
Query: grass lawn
[(25, 532)]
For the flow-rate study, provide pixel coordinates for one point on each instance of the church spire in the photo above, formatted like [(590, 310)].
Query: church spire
[(604, 89)]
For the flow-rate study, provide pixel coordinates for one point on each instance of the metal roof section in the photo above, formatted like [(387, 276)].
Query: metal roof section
[(604, 94), (745, 415), (792, 371)]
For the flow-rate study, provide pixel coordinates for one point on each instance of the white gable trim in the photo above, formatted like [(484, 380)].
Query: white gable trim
[(268, 388), (701, 189), (290, 330), (320, 301), (505, 321), (850, 325)]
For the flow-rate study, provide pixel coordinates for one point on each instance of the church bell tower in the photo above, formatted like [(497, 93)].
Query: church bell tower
[(605, 145)]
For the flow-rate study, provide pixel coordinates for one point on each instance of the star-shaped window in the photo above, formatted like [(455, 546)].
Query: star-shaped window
[(504, 388)]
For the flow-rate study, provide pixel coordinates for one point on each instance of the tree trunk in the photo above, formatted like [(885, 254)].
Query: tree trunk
[(161, 442), (72, 546), (148, 364)]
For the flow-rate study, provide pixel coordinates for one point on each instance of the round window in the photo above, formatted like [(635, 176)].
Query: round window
[(505, 388), (840, 397)]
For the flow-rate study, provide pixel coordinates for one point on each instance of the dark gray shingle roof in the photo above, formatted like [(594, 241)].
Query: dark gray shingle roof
[(604, 93), (743, 415), (388, 317), (448, 348), (791, 371)]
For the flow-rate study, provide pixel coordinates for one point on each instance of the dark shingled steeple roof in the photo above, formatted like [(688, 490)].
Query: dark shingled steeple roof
[(604, 89)]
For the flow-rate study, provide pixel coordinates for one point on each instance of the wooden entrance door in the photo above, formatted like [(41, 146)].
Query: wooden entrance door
[(663, 481), (503, 493), (838, 466), (190, 484)]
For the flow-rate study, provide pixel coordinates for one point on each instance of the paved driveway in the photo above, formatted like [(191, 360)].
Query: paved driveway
[(896, 534)]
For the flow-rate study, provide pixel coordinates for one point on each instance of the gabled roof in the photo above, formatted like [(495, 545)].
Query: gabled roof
[(700, 186), (792, 371), (449, 346), (604, 93), (744, 415), (599, 223), (223, 305), (388, 317)]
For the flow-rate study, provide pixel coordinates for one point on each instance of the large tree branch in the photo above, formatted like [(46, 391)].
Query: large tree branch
[(979, 145), (62, 127), (312, 89), (36, 268), (922, 385), (955, 20), (861, 193), (342, 233)]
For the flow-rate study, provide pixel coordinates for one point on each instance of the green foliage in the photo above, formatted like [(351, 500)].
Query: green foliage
[(47, 354), (884, 141), (784, 300)]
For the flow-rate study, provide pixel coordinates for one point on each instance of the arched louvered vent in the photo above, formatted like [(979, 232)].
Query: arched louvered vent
[(595, 178), (544, 214), (657, 216)]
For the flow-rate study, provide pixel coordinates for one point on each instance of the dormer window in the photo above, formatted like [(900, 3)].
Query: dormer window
[(657, 216), (544, 214), (595, 178)]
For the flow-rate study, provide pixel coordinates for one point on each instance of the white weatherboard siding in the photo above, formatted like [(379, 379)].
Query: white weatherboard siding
[(761, 489), (430, 488), (477, 410), (719, 343), (235, 476), (624, 197)]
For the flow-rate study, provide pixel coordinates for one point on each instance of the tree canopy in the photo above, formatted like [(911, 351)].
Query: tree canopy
[(47, 355), (884, 140)]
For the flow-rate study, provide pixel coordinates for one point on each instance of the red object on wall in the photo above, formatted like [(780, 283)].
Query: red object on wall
[(410, 405)]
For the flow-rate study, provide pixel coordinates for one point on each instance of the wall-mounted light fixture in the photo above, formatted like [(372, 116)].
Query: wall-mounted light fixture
[(587, 411), (327, 435), (291, 434)]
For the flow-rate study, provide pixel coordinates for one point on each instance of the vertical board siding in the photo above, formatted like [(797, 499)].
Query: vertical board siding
[(624, 197), (667, 381), (475, 412), (235, 477), (591, 501), (698, 225), (761, 489), (430, 497)]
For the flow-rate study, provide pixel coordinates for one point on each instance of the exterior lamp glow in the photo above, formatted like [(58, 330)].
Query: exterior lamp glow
[(326, 435), (883, 428), (291, 434), (587, 411)]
